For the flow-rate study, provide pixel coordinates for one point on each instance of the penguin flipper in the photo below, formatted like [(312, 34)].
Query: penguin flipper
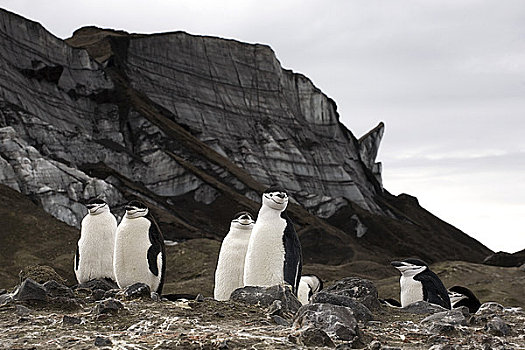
[(156, 262), (77, 258), (433, 289), (293, 259)]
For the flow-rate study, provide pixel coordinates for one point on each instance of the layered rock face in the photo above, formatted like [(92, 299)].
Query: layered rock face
[(197, 127)]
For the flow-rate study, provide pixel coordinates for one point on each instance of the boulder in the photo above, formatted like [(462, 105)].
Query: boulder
[(337, 321), (423, 307), (266, 296), (30, 290), (361, 312), (358, 289)]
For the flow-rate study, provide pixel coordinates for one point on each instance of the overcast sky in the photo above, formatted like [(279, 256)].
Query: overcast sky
[(447, 77)]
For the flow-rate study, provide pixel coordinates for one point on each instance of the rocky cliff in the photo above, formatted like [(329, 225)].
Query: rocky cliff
[(197, 127)]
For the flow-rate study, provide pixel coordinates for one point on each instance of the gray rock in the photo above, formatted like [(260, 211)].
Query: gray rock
[(266, 296), (496, 326), (103, 341), (108, 306), (22, 310), (55, 289), (315, 337), (280, 320), (358, 289), (423, 307), (6, 299), (452, 317), (71, 320), (104, 284), (360, 311), (337, 321), (199, 298), (374, 345), (29, 290), (3, 291), (138, 290)]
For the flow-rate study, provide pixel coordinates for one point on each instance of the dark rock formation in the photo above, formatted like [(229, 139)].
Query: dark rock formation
[(506, 259), (30, 290), (361, 312), (267, 296), (336, 321), (358, 289)]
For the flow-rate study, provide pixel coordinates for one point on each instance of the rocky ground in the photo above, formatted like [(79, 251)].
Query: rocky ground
[(42, 315)]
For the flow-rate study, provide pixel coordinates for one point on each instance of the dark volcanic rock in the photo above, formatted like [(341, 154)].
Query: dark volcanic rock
[(266, 296), (72, 320), (423, 307), (358, 289), (103, 284), (108, 306), (138, 290), (29, 290), (315, 337), (496, 326), (361, 312), (103, 341), (55, 289), (336, 321), (506, 259)]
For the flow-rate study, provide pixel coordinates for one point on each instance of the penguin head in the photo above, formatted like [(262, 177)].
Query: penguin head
[(136, 209), (410, 267), (243, 220), (275, 197), (96, 206)]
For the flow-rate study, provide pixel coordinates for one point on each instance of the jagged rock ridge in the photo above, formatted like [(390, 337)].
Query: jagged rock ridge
[(197, 127)]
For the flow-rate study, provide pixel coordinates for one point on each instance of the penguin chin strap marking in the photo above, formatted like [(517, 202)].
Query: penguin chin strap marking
[(97, 209), (136, 213)]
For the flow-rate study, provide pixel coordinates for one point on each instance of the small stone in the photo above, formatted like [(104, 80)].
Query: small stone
[(104, 284), (199, 298), (423, 307), (111, 293), (138, 290), (497, 327), (361, 312), (374, 345), (102, 341), (224, 345), (108, 306), (276, 308), (280, 321), (29, 290), (3, 291), (315, 337), (71, 320), (98, 294), (55, 289), (219, 314), (21, 310), (5, 299)]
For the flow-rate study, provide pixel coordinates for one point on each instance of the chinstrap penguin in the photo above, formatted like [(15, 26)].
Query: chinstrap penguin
[(274, 252), (230, 265), (462, 296), (308, 286), (418, 283), (139, 249), (94, 253)]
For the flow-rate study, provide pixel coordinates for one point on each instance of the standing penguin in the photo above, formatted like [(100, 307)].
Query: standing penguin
[(139, 249), (274, 252), (230, 266), (418, 283), (94, 253), (308, 286)]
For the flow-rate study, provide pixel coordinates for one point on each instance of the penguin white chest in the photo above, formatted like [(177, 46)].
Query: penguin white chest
[(303, 293), (95, 247), (264, 264), (131, 253), (230, 266), (411, 290)]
